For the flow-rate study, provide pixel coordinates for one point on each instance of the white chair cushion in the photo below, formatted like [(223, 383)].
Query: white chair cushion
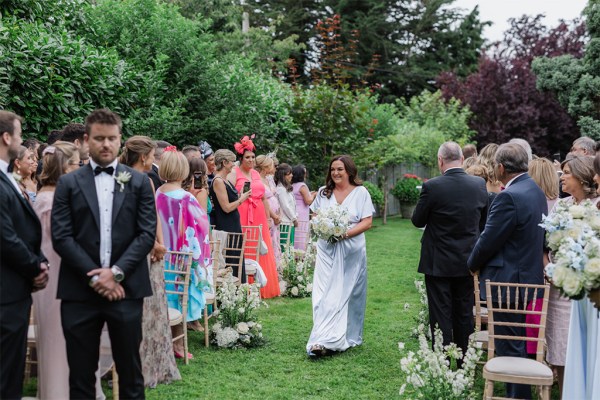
[(518, 366), (175, 316), (480, 336), (31, 332), (209, 297), (250, 269)]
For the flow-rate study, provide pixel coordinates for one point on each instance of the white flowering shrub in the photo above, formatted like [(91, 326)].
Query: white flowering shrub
[(330, 224), (297, 270), (572, 233), (237, 324), (429, 374), (422, 317)]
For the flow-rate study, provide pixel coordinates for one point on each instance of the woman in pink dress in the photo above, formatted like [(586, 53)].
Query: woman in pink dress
[(53, 368), (254, 210), (265, 165), (304, 199)]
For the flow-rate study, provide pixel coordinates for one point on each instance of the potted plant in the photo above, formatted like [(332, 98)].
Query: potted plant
[(407, 192)]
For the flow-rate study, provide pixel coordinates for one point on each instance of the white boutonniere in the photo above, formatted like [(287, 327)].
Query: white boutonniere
[(122, 178)]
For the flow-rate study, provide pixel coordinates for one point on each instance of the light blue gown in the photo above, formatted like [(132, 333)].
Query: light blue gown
[(582, 366), (340, 282)]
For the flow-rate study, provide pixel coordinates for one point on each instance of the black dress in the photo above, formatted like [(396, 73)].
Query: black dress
[(227, 221)]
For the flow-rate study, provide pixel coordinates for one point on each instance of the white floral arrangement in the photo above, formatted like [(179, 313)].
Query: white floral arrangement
[(330, 224), (429, 373), (297, 271), (422, 317), (572, 233), (237, 325)]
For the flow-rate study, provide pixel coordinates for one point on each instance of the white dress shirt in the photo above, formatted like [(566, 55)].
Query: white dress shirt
[(105, 188), (287, 204), (4, 169)]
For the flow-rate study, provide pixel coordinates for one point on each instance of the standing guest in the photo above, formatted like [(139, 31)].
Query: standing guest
[(265, 165), (226, 200), (196, 183), (54, 136), (543, 173), (487, 159), (161, 145), (53, 368), (582, 364), (23, 267), (285, 196), (339, 294), (74, 133), (33, 145), (525, 145), (156, 350), (578, 181), (510, 248), (185, 228), (254, 211), (208, 156), (304, 199), (103, 227), (191, 152), (584, 146), (484, 173), (469, 151), (23, 169), (470, 162), (452, 208)]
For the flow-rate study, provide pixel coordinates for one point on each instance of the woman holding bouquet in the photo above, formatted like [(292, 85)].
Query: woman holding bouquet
[(340, 282), (578, 181), (582, 364)]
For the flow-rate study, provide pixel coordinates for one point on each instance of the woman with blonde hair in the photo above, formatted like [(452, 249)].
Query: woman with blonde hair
[(542, 171), (265, 165), (156, 350), (23, 169), (487, 158)]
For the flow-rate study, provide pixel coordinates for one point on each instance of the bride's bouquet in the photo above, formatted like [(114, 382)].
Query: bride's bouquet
[(572, 233), (331, 224)]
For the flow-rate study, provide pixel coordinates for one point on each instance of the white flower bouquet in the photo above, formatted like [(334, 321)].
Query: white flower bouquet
[(429, 373), (330, 224), (422, 317), (572, 233), (297, 271), (237, 324)]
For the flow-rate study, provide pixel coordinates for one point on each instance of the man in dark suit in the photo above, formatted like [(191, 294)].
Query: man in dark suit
[(452, 208), (510, 248), (104, 272), (161, 145), (23, 268)]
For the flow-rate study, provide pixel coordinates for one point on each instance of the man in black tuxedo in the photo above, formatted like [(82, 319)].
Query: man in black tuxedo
[(510, 249), (103, 227), (23, 268), (161, 145), (452, 208)]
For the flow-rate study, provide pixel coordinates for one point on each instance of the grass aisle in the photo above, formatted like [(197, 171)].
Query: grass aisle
[(281, 369)]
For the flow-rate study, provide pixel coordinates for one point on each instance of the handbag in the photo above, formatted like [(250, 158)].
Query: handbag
[(262, 248)]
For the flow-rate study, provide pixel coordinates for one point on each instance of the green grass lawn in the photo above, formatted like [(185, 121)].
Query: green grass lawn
[(281, 369)]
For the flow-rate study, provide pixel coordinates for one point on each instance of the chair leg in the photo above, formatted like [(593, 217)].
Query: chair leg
[(185, 342), (206, 325), (546, 390), (115, 383), (488, 392)]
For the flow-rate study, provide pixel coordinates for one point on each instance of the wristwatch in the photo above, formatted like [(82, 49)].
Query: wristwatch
[(118, 274)]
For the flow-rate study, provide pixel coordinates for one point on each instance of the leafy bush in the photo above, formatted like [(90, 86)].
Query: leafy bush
[(375, 192), (406, 188)]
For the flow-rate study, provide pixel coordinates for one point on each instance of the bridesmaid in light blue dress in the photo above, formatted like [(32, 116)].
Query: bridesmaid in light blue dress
[(340, 281)]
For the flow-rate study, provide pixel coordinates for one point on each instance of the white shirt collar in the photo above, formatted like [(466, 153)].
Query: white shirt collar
[(113, 164), (4, 167), (511, 181)]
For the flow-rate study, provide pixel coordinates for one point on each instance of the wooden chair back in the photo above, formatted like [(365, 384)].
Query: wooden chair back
[(518, 299), (285, 235), (177, 281), (252, 244), (234, 251), (480, 305)]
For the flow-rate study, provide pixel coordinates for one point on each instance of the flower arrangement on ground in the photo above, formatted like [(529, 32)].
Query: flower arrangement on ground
[(297, 270), (330, 224), (429, 373), (422, 317), (237, 325), (572, 233), (406, 190)]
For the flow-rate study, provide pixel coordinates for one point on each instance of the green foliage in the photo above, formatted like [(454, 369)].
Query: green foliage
[(51, 78), (576, 82), (406, 190), (375, 192)]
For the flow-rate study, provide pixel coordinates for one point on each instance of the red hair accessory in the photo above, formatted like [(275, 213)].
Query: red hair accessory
[(171, 148), (245, 145)]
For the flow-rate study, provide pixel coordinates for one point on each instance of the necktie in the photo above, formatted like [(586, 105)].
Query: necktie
[(109, 170)]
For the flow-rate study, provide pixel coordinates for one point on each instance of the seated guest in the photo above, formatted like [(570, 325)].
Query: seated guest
[(185, 228), (156, 350), (287, 201)]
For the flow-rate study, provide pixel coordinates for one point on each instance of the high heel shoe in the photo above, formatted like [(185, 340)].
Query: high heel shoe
[(190, 356)]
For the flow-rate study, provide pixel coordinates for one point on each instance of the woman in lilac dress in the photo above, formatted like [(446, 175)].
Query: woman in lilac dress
[(304, 199), (185, 228)]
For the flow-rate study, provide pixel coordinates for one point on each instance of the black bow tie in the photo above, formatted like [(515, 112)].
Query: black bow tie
[(109, 170)]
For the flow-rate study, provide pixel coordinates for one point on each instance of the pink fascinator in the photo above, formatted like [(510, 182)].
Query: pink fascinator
[(171, 148), (49, 150), (245, 145)]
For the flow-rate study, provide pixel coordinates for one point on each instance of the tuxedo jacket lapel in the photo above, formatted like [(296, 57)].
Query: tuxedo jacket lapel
[(86, 182), (23, 200), (118, 195)]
